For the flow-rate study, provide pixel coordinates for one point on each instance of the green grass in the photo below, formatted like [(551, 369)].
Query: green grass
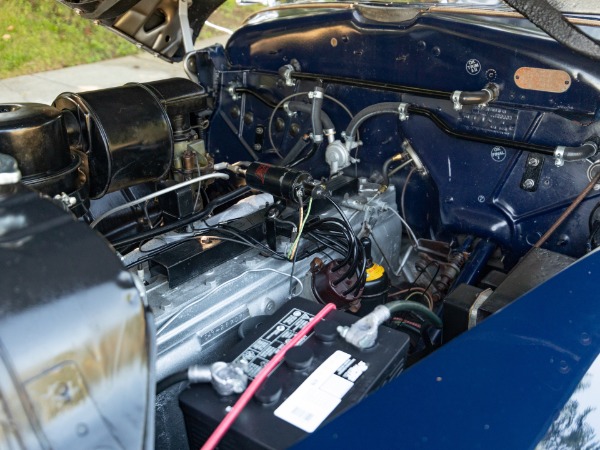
[(229, 15), (39, 35)]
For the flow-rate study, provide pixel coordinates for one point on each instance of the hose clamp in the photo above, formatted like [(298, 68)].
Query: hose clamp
[(330, 135), (288, 111), (456, 100), (286, 73), (593, 145), (403, 111), (491, 94), (315, 94), (232, 90), (559, 153)]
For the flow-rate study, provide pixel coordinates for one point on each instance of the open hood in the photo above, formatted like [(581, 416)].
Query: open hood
[(154, 25)]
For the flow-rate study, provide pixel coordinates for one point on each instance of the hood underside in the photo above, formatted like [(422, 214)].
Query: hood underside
[(154, 25)]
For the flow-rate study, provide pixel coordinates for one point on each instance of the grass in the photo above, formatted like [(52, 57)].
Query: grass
[(40, 35), (229, 15)]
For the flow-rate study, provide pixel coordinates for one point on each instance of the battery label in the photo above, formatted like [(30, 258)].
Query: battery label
[(263, 349), (317, 397)]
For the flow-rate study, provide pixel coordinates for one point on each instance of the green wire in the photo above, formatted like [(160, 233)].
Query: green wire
[(297, 240)]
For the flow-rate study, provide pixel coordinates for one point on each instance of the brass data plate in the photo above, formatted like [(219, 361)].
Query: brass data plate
[(545, 80)]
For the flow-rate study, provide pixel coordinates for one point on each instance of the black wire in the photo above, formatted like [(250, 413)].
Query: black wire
[(171, 380), (323, 226), (292, 271), (356, 248), (361, 275), (263, 99), (306, 157), (414, 283), (220, 201), (248, 240), (348, 234), (348, 254), (434, 275), (324, 240), (153, 253)]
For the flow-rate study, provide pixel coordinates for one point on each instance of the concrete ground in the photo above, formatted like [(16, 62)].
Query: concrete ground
[(44, 87)]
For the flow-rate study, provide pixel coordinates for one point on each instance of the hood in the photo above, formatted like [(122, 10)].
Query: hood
[(154, 25)]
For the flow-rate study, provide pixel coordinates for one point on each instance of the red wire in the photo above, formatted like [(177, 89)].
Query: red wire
[(235, 411)]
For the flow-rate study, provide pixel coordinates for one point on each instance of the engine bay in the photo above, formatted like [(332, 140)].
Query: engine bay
[(402, 164)]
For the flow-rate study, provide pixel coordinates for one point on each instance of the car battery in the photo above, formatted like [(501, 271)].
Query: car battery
[(318, 379)]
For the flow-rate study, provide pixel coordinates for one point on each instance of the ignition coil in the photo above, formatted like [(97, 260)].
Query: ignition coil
[(290, 184)]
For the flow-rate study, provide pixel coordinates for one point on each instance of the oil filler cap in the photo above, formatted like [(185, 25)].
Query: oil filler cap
[(299, 358)]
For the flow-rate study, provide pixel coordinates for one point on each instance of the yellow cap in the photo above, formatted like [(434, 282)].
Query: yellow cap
[(375, 272)]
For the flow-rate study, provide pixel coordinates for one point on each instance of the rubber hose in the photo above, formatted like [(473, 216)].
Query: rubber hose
[(315, 116), (587, 150), (475, 97), (403, 305), (386, 169), (370, 111), (306, 108)]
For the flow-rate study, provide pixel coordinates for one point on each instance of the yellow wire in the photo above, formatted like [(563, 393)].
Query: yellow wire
[(300, 228)]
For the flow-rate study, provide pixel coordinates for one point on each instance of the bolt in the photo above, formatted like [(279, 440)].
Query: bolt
[(585, 339), (528, 183), (82, 429), (294, 129), (533, 161), (279, 124), (249, 118), (481, 199), (259, 130), (257, 147), (597, 187), (564, 367)]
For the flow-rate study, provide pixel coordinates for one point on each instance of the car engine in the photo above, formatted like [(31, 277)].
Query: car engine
[(440, 160)]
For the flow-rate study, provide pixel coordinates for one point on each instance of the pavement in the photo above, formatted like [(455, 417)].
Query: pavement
[(44, 87)]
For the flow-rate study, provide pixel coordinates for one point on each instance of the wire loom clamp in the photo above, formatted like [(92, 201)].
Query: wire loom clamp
[(403, 112)]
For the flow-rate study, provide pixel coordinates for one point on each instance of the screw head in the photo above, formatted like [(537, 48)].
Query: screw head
[(533, 161), (528, 183)]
